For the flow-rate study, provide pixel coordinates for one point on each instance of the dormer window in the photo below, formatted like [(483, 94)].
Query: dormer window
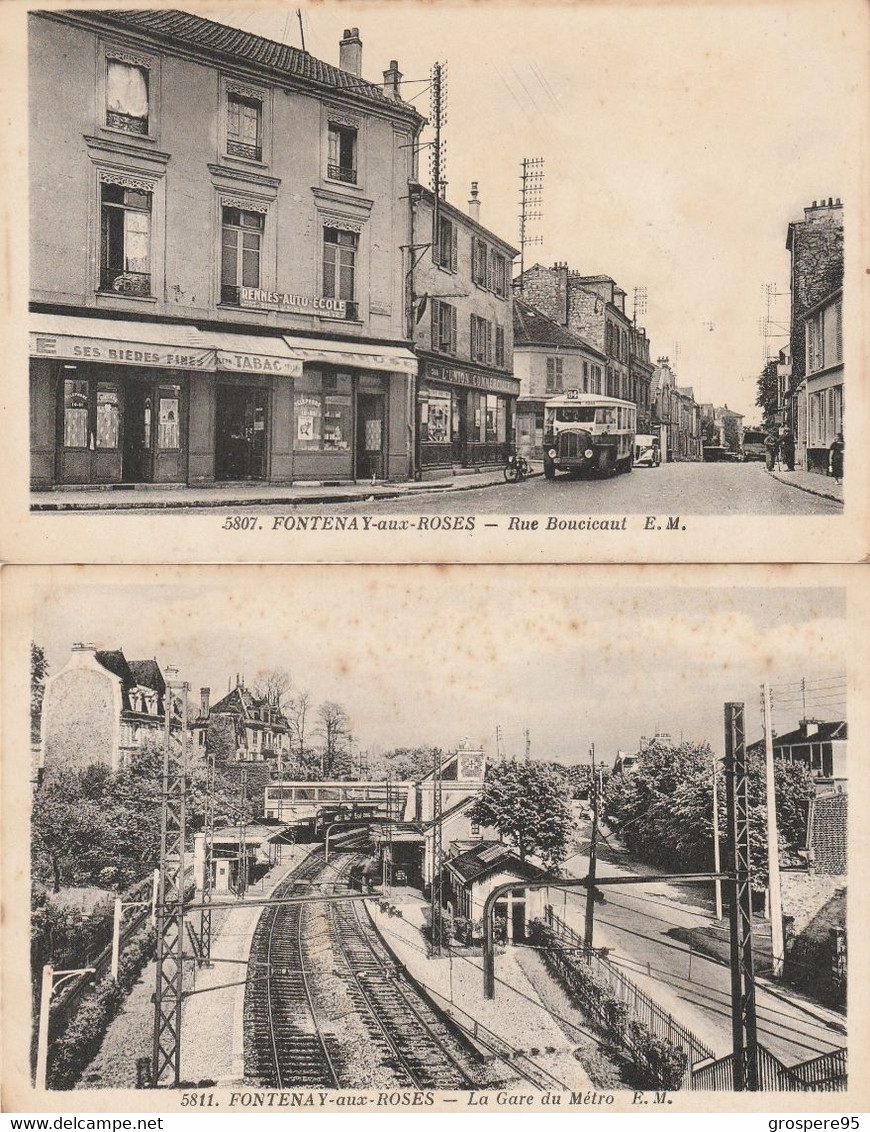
[(127, 96), (244, 127), (341, 161)]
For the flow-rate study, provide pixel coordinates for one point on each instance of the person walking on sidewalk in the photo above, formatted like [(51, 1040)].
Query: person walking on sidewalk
[(786, 448), (770, 447), (835, 457)]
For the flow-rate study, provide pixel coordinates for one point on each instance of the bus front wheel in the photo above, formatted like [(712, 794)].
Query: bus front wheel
[(549, 470)]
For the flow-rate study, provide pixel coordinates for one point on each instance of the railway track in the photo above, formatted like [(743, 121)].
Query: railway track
[(287, 1044), (416, 1042)]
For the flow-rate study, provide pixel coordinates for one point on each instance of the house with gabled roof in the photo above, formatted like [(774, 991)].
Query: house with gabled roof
[(475, 872), (242, 727)]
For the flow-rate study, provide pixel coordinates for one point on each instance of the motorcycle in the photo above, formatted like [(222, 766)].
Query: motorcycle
[(516, 469)]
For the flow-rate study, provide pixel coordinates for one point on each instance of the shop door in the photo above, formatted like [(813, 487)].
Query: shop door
[(89, 430), (370, 422), (241, 433), (137, 463)]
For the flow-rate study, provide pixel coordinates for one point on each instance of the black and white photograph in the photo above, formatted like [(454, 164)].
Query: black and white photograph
[(592, 849), (293, 267)]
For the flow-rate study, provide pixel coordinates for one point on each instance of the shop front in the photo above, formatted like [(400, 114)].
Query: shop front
[(466, 417)]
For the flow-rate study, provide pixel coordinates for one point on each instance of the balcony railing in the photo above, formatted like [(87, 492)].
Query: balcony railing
[(127, 122), (342, 173), (122, 282), (244, 149)]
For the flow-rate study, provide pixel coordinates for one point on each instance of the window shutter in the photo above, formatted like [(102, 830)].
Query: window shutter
[(453, 320), (488, 341), (435, 306), (454, 259)]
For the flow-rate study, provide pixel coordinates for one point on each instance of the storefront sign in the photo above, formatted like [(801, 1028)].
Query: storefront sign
[(119, 353), (239, 361), (469, 379), (256, 299)]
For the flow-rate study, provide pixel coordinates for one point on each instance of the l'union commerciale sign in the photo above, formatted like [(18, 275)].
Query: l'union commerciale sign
[(256, 299)]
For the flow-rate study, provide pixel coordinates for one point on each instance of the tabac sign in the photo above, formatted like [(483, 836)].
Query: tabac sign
[(256, 299)]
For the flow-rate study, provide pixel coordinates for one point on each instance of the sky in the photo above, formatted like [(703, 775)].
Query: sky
[(431, 655), (678, 140)]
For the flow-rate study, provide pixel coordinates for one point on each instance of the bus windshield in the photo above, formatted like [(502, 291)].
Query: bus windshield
[(577, 414)]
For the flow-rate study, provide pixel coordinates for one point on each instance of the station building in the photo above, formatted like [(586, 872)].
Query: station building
[(218, 225)]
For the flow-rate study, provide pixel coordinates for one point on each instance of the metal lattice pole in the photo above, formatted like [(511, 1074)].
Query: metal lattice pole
[(208, 853), (166, 1054), (743, 1020), (242, 878), (437, 854)]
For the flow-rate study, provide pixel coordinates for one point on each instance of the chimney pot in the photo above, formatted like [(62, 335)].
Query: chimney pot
[(474, 203)]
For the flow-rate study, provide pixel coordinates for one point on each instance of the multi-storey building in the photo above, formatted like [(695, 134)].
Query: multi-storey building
[(593, 306), (217, 274), (242, 727), (817, 376), (664, 405), (462, 326), (548, 359)]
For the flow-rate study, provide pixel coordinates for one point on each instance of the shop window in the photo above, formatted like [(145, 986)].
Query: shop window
[(126, 96), (244, 127), (75, 413), (341, 161), (168, 424), (499, 346), (125, 240), (435, 417), (444, 247), (241, 246), (443, 327), (108, 415), (555, 374), (339, 264), (323, 418)]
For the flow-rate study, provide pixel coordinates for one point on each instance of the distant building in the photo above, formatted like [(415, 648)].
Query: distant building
[(722, 431), (548, 359), (462, 327), (242, 727), (665, 408), (101, 708), (815, 405)]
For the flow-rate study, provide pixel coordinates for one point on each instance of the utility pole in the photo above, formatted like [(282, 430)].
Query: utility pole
[(743, 1019), (208, 853), (438, 156), (593, 855), (436, 911), (531, 193), (166, 1051), (717, 884), (774, 892), (242, 878)]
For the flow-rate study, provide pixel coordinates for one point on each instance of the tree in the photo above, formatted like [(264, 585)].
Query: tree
[(297, 711), (525, 802), (403, 764), (38, 674), (767, 398), (272, 685), (334, 729)]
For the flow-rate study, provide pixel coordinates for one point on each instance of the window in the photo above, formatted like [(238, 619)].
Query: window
[(436, 411), (322, 412), (108, 415), (125, 240), (554, 375), (585, 377), (168, 425), (499, 346), (75, 414), (241, 246), (341, 161), (481, 339), (444, 249), (499, 274), (339, 265), (244, 127), (91, 414), (479, 259), (126, 96), (443, 327)]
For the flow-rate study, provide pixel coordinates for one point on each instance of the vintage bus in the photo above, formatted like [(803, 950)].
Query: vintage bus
[(587, 432)]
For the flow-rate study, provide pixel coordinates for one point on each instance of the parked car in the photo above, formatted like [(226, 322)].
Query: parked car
[(647, 451)]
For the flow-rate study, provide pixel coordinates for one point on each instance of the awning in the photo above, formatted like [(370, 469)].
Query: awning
[(248, 353), (171, 346), (360, 355), (118, 343)]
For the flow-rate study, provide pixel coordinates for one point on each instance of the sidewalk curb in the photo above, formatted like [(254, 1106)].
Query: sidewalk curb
[(128, 504), (808, 490)]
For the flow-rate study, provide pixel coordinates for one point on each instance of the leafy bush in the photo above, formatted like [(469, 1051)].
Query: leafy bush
[(462, 929), (662, 1063)]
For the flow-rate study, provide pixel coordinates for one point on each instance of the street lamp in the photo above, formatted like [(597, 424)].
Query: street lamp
[(49, 986)]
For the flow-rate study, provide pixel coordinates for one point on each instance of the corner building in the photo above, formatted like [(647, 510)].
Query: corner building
[(217, 277)]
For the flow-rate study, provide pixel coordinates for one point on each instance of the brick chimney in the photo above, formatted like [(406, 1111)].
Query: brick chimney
[(393, 82), (350, 52), (474, 203), (204, 697)]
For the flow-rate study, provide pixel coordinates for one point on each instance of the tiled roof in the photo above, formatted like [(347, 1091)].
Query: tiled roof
[(825, 733), (208, 36), (490, 857), (147, 674), (115, 661), (533, 328)]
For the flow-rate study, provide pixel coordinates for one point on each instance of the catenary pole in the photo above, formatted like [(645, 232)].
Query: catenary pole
[(589, 926), (773, 884)]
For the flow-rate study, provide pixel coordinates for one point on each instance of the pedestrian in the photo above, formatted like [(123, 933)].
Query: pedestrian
[(835, 458), (770, 447), (786, 448)]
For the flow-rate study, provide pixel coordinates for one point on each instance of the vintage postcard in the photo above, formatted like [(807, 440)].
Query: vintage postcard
[(434, 838), (417, 282)]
